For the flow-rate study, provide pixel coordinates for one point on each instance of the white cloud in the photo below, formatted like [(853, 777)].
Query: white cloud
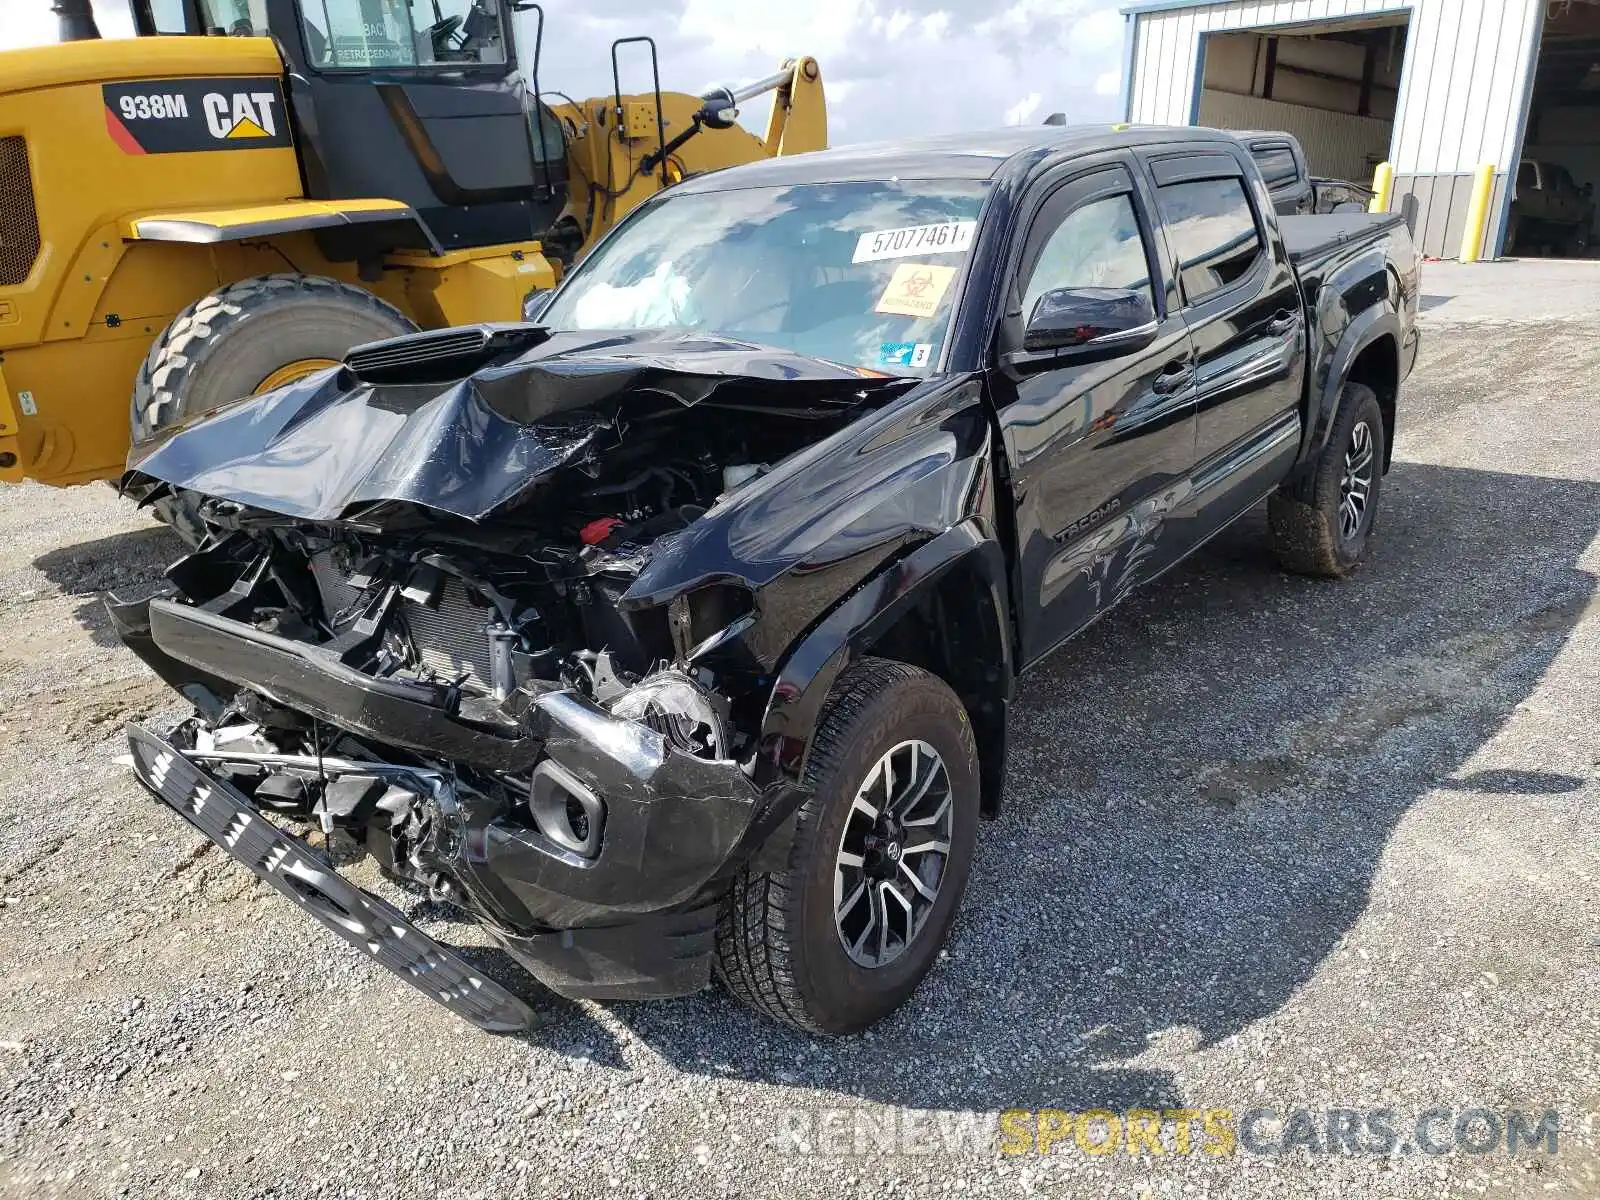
[(1100, 32), (1023, 109), (27, 23), (31, 23), (891, 68)]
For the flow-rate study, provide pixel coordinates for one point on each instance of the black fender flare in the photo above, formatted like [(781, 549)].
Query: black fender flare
[(1363, 331), (848, 631)]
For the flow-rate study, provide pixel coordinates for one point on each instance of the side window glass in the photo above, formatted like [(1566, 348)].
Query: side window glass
[(1214, 232), (171, 16), (1276, 164), (1097, 245), (1527, 176), (391, 33), (236, 18)]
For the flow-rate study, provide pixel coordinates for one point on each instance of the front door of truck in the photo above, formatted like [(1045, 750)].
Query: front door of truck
[(1095, 450)]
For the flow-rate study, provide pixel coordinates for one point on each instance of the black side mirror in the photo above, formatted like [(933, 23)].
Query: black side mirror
[(534, 304), (1083, 324)]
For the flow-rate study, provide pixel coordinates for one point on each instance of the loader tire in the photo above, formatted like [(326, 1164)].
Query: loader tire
[(249, 336)]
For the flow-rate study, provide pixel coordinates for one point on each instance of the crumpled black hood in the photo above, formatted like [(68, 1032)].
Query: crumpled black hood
[(331, 446)]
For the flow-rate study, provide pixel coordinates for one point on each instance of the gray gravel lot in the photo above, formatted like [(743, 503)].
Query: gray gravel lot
[(1268, 843)]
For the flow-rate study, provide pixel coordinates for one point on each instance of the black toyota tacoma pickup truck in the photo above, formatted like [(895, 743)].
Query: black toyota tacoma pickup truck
[(672, 632)]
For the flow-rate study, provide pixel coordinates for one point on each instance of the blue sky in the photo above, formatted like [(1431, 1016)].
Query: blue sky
[(892, 68)]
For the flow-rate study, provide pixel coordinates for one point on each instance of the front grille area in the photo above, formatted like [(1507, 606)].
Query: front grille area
[(19, 220)]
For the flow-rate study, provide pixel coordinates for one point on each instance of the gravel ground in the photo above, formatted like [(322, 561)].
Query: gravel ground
[(1268, 843)]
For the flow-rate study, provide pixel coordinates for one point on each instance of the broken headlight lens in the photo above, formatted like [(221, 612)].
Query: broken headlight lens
[(679, 709)]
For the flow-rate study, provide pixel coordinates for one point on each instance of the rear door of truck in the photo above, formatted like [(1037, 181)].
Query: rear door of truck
[(1283, 168), (1241, 301)]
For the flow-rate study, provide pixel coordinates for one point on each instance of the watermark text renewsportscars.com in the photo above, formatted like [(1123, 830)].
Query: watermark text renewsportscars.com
[(1177, 1132)]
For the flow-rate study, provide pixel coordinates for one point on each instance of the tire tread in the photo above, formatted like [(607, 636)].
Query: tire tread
[(755, 940), (159, 386)]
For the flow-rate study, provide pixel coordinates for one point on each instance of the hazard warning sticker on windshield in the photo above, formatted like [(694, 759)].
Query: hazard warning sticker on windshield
[(946, 237), (915, 290)]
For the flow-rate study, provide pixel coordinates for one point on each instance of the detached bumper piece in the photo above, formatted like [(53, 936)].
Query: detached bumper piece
[(226, 817)]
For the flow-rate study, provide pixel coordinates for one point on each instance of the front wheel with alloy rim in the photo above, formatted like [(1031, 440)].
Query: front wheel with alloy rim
[(844, 933), (1323, 524)]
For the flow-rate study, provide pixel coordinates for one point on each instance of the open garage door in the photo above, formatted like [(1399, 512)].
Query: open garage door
[(1334, 85), (1553, 207)]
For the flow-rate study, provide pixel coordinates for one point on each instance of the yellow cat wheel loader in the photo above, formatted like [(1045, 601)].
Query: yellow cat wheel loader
[(238, 195)]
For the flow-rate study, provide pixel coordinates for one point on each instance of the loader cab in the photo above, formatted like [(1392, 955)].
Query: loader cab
[(419, 101)]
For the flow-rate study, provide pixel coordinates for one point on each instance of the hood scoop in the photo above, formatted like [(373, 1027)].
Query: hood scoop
[(440, 355)]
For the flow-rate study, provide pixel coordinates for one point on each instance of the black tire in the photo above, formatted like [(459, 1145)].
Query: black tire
[(1513, 228), (1309, 532), (779, 946), (227, 343)]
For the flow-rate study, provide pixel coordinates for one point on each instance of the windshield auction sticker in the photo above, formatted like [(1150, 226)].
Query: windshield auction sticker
[(946, 237), (915, 290)]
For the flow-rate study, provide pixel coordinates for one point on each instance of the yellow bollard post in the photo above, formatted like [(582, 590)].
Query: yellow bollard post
[(1382, 188), (1477, 214)]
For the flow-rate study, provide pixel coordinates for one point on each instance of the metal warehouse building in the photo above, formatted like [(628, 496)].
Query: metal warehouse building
[(1434, 87)]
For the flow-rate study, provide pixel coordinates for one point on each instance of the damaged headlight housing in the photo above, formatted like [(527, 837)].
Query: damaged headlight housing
[(679, 709)]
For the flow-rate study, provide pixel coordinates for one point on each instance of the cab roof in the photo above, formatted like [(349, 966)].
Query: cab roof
[(978, 155)]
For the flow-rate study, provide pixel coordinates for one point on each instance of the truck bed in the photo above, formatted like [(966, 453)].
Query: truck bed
[(1311, 240)]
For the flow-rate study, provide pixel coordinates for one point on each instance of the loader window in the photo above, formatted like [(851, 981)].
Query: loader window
[(863, 274), (377, 34), (234, 18)]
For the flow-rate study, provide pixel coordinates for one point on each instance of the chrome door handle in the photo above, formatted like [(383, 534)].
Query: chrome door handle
[(1174, 379)]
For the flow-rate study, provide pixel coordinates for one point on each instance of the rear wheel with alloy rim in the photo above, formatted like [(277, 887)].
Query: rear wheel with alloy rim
[(879, 859), (1323, 524), (1355, 490)]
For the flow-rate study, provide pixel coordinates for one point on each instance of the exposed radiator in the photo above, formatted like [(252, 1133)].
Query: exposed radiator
[(338, 596), (448, 639)]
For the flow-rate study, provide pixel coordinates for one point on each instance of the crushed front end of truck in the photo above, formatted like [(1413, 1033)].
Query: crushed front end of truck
[(459, 605)]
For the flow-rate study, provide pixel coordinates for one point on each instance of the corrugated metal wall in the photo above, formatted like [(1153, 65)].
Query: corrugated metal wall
[(1337, 144), (1166, 49), (1463, 94)]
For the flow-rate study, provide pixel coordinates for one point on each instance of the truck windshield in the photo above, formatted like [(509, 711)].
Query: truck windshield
[(858, 273), (397, 33)]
